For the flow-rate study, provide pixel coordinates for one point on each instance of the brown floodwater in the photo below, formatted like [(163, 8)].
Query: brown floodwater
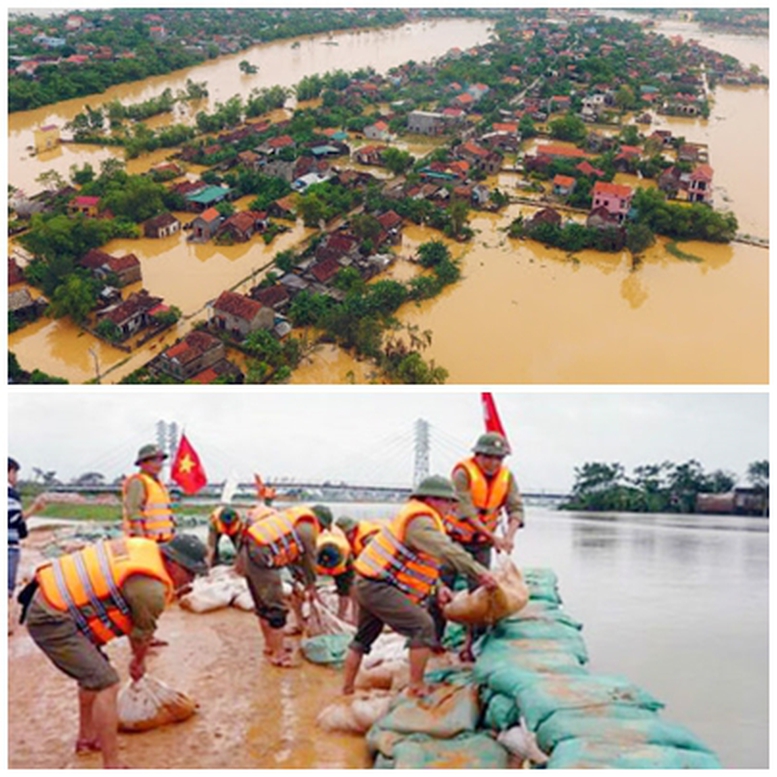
[(522, 313)]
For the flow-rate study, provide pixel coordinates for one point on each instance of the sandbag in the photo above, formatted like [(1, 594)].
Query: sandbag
[(471, 751), (215, 591), (148, 703), (649, 730), (521, 742), (501, 712), (326, 648), (389, 675), (595, 754), (355, 715), (482, 607), (501, 655), (542, 610), (542, 584), (445, 712), (547, 694), (322, 620)]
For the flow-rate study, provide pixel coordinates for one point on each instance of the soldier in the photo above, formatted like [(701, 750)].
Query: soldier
[(286, 539), (335, 558), (486, 488), (398, 573), (80, 601), (147, 506), (224, 521)]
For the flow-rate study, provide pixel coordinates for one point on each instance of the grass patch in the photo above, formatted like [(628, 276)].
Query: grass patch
[(107, 513), (675, 250)]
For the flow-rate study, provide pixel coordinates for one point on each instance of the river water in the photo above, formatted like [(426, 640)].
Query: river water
[(677, 604), (558, 319)]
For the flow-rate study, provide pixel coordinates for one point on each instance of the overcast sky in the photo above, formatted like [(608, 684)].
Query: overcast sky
[(367, 436)]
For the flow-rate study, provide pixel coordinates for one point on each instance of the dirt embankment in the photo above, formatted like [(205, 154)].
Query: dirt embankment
[(251, 714)]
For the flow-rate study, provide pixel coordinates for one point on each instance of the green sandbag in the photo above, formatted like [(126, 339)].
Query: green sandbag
[(502, 654), (326, 648), (381, 741), (501, 712), (650, 730), (473, 751), (595, 754), (454, 636), (548, 612), (537, 701), (445, 712), (542, 584), (514, 628)]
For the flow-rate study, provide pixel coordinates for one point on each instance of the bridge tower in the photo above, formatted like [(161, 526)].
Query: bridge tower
[(167, 437), (421, 451)]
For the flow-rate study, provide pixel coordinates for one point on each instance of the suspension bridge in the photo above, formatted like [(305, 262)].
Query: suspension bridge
[(384, 471)]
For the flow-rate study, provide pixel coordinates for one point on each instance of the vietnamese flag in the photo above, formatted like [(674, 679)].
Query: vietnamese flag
[(187, 469), (493, 424)]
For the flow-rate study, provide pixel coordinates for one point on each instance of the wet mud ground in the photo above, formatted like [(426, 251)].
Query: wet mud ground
[(251, 714)]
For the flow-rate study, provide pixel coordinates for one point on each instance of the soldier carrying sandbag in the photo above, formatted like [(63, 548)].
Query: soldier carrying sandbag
[(79, 602)]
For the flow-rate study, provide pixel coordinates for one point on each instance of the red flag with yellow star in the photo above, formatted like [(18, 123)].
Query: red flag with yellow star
[(187, 469)]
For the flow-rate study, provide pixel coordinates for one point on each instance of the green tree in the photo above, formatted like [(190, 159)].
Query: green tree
[(74, 297), (432, 253)]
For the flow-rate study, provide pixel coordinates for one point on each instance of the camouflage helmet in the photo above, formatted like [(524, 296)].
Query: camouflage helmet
[(345, 523), (436, 486), (150, 452), (187, 551), (324, 515), (492, 444), (228, 515)]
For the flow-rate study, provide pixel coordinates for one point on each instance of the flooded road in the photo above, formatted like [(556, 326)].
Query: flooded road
[(523, 313)]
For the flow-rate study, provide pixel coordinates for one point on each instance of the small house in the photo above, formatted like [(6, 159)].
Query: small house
[(164, 225), (205, 226), (240, 315)]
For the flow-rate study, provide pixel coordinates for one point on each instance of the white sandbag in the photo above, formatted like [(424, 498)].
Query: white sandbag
[(521, 742), (355, 714), (208, 595), (218, 589), (244, 601), (388, 675), (149, 703), (482, 607), (389, 646), (324, 621)]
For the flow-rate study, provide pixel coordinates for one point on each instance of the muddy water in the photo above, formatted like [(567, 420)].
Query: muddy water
[(278, 63), (552, 318)]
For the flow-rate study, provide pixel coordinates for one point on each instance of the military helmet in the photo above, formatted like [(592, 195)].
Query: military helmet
[(324, 515), (345, 523), (228, 515), (187, 551), (150, 452), (492, 444), (329, 557), (436, 485)]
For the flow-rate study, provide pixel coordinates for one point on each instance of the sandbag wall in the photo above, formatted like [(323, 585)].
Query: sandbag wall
[(531, 670)]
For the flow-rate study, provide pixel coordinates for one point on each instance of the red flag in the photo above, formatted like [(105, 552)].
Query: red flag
[(187, 469), (493, 424)]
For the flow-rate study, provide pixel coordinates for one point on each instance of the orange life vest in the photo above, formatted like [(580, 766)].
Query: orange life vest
[(278, 533), (387, 556), (87, 584), (488, 496), (335, 539), (229, 529), (156, 521), (362, 534)]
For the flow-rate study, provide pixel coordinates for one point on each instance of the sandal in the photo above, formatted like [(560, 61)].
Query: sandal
[(87, 746)]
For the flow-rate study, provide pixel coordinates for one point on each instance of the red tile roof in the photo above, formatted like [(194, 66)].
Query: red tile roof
[(211, 214), (616, 189), (237, 305), (325, 270)]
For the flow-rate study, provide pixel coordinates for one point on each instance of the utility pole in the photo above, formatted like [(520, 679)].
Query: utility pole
[(421, 451)]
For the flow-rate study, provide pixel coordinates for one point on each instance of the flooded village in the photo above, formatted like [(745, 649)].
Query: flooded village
[(373, 205)]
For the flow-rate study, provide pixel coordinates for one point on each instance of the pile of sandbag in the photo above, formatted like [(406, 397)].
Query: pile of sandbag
[(222, 587), (482, 607), (148, 703), (355, 714)]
